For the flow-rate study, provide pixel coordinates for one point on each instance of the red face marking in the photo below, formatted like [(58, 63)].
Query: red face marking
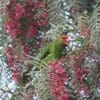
[(65, 39)]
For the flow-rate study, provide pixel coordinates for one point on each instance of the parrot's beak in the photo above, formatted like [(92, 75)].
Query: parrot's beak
[(65, 39)]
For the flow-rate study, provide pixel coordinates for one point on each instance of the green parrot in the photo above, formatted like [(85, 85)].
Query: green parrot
[(50, 52), (53, 50)]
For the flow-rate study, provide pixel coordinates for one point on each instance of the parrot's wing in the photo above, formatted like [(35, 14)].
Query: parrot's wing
[(44, 52), (57, 48), (49, 58)]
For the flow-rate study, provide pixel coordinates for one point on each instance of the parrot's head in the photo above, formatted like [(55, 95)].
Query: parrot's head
[(65, 39)]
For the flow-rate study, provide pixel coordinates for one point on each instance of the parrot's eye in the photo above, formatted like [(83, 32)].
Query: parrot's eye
[(65, 39)]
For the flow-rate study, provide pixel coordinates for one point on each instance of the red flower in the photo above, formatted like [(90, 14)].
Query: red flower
[(55, 91), (21, 24), (80, 73), (55, 80), (16, 76), (10, 5), (64, 96), (85, 31), (11, 15), (57, 77), (44, 20), (23, 15), (10, 8), (26, 49), (42, 4), (19, 11), (32, 30), (57, 68), (13, 27), (10, 62)]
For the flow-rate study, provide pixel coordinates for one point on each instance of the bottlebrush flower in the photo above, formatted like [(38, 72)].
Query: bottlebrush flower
[(32, 30), (19, 11), (13, 27), (16, 76), (14, 59), (10, 5), (57, 77), (64, 96), (25, 19), (26, 49), (42, 4), (42, 17), (80, 73), (10, 62), (44, 20), (10, 56), (85, 31)]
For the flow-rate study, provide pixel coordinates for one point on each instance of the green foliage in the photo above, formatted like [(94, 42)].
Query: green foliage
[(95, 25), (55, 12), (39, 77)]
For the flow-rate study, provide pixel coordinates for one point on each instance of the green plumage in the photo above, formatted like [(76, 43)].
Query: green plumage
[(52, 50)]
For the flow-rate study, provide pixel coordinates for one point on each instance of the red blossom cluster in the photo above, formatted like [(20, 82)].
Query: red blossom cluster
[(11, 62), (13, 59), (81, 73), (57, 78), (85, 31), (26, 18)]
